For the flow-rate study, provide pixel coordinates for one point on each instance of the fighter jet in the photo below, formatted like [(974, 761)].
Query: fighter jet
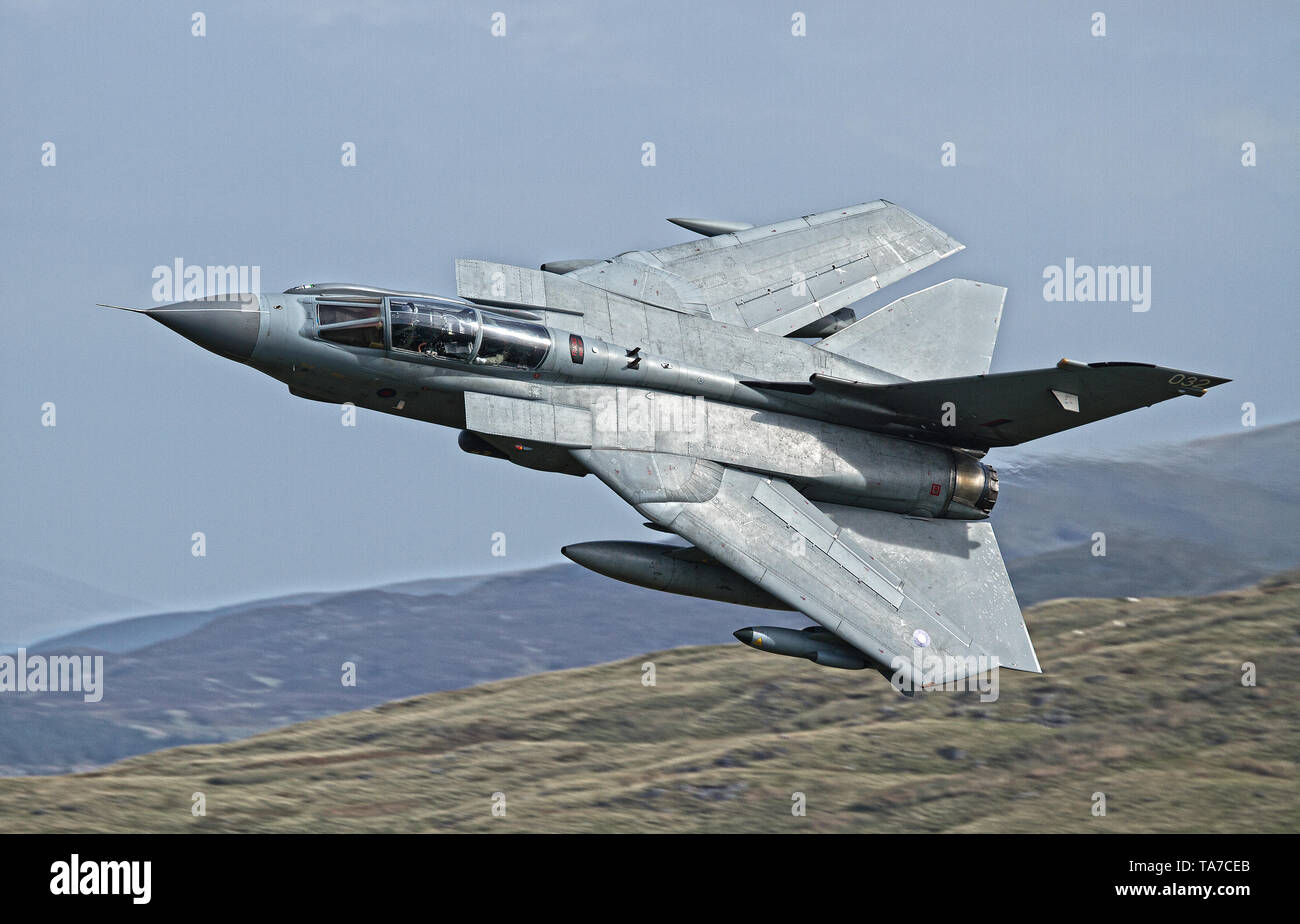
[(725, 388)]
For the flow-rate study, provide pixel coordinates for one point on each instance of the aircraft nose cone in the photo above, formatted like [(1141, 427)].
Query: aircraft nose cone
[(744, 635), (227, 325)]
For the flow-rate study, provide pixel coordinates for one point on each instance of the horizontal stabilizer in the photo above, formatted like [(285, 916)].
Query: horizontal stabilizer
[(945, 331), (1011, 407)]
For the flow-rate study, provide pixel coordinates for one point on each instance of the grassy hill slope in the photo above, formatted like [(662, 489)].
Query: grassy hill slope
[(1140, 700)]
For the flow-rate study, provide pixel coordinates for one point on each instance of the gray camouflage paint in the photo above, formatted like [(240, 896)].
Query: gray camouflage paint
[(823, 478)]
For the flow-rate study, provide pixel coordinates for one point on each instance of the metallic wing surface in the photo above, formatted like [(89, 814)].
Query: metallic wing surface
[(889, 586), (782, 277)]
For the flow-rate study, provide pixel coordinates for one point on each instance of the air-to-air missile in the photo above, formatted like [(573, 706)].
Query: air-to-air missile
[(813, 643), (841, 478)]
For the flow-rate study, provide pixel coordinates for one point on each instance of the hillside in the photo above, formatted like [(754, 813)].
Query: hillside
[(246, 669), (1191, 519), (1141, 700), (1188, 518)]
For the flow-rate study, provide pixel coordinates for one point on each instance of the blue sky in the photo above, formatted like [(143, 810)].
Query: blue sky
[(525, 148)]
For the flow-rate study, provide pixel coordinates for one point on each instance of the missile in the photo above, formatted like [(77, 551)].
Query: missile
[(676, 569), (814, 643)]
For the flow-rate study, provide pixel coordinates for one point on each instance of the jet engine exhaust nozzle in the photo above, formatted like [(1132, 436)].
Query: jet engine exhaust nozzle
[(975, 485)]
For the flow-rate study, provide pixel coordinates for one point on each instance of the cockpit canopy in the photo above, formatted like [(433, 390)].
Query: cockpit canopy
[(355, 323), (434, 329), (441, 329)]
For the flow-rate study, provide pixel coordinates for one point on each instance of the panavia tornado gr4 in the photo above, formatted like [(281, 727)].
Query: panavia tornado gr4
[(812, 460)]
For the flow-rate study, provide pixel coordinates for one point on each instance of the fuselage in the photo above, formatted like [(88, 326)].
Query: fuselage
[(531, 384)]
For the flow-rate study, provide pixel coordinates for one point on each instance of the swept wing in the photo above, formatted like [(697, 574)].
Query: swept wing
[(886, 584), (780, 277)]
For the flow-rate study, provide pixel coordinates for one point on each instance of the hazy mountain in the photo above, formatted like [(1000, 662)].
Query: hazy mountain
[(1177, 519), (1194, 518), (36, 604), (257, 666), (1142, 700), (129, 634)]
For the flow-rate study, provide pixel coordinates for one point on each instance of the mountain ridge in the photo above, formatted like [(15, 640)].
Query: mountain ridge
[(1197, 519), (1142, 701)]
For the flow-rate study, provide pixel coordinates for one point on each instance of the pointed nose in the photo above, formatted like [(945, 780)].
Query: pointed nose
[(227, 325), (744, 635)]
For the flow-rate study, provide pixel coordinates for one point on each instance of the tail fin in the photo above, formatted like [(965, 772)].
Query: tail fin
[(943, 332)]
